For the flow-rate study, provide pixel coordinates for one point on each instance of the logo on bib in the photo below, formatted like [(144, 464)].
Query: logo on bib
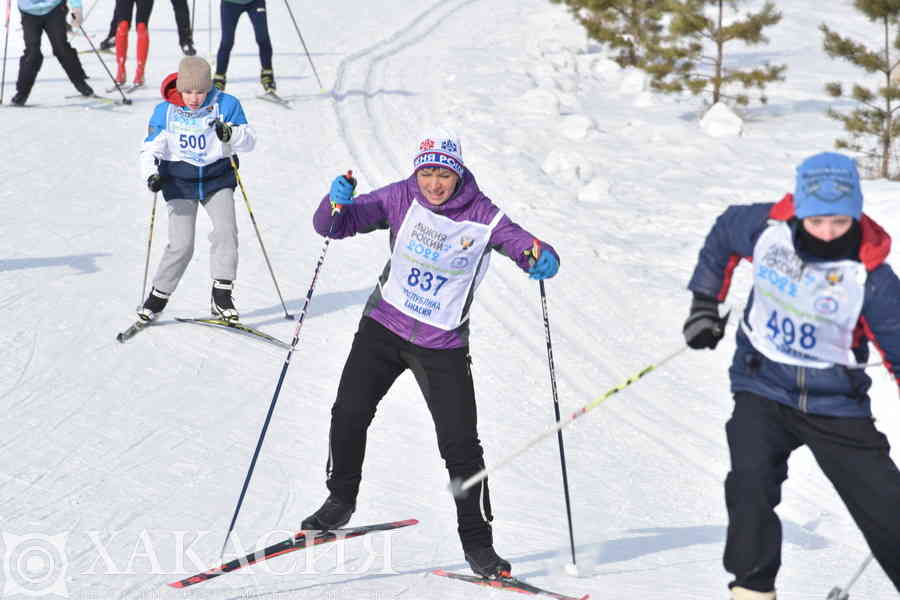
[(466, 242), (834, 276), (459, 262), (826, 305)]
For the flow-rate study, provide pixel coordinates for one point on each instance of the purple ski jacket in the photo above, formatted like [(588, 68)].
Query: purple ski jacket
[(385, 208)]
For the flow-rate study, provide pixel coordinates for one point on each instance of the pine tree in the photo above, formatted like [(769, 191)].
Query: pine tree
[(875, 118), (681, 63), (628, 26)]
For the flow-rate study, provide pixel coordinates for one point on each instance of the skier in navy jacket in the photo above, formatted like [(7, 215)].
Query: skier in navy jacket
[(821, 291)]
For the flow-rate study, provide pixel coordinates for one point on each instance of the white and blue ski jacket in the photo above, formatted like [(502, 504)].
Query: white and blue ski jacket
[(182, 146)]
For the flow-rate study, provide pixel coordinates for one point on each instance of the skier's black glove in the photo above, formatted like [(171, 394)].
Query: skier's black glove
[(223, 131), (154, 183), (704, 327)]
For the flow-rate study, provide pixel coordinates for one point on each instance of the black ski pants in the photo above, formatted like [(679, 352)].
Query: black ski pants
[(54, 24), (853, 455), (141, 9), (230, 13), (377, 358), (182, 21)]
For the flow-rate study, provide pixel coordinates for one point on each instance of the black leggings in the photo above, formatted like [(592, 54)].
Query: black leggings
[(125, 8), (377, 358), (54, 24), (231, 12)]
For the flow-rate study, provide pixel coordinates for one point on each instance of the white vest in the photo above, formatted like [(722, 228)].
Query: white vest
[(436, 263), (192, 138), (803, 314)]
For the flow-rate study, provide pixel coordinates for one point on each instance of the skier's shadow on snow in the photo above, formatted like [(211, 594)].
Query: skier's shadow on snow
[(83, 263), (320, 304)]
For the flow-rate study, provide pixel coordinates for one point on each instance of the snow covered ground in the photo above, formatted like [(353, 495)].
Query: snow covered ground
[(122, 464)]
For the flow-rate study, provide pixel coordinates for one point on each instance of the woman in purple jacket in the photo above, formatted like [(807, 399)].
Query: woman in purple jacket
[(821, 290), (442, 230)]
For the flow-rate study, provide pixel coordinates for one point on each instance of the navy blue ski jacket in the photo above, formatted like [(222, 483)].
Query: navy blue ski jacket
[(836, 391)]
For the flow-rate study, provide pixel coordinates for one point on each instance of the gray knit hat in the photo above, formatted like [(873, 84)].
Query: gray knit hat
[(193, 75)]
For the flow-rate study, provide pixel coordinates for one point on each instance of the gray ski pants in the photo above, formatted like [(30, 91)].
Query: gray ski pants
[(223, 248)]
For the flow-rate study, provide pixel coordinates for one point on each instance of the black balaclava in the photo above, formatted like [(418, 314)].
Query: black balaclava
[(844, 247)]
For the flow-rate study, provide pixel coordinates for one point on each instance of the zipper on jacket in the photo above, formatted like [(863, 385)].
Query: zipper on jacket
[(801, 382)]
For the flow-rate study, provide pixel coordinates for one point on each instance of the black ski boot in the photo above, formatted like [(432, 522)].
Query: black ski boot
[(333, 514), (108, 45), (188, 49), (485, 562), (153, 305), (267, 80), (84, 89), (222, 304)]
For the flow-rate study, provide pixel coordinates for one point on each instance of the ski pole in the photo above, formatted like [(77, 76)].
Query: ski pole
[(535, 253), (844, 594), (209, 27), (237, 176), (193, 11), (90, 10), (305, 49), (147, 261), (287, 361), (125, 99), (458, 487), (5, 46)]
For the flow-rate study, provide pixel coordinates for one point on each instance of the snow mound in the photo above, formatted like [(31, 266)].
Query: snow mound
[(567, 165), (595, 192), (634, 81), (538, 101), (575, 127), (720, 121), (644, 99)]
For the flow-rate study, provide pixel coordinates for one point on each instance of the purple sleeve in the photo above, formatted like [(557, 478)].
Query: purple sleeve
[(510, 239), (367, 213)]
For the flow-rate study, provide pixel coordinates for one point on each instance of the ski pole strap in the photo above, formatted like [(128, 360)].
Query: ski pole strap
[(458, 487)]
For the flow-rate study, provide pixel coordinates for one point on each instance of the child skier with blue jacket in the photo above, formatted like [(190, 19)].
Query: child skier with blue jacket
[(187, 155), (821, 291)]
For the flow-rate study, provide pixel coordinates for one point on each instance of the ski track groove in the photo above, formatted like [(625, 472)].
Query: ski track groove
[(396, 43)]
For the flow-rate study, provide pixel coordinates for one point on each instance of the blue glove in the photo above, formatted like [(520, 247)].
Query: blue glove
[(544, 267), (342, 190)]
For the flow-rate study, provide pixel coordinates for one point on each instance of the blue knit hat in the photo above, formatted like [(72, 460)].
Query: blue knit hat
[(828, 184)]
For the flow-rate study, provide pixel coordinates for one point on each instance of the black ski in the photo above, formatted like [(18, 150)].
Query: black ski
[(276, 99), (236, 326), (298, 542), (507, 583), (132, 331)]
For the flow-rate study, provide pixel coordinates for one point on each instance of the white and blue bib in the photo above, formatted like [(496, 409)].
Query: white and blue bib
[(192, 137), (436, 263), (803, 314)]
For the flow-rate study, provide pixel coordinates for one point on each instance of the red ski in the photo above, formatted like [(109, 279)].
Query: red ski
[(298, 542), (507, 583)]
